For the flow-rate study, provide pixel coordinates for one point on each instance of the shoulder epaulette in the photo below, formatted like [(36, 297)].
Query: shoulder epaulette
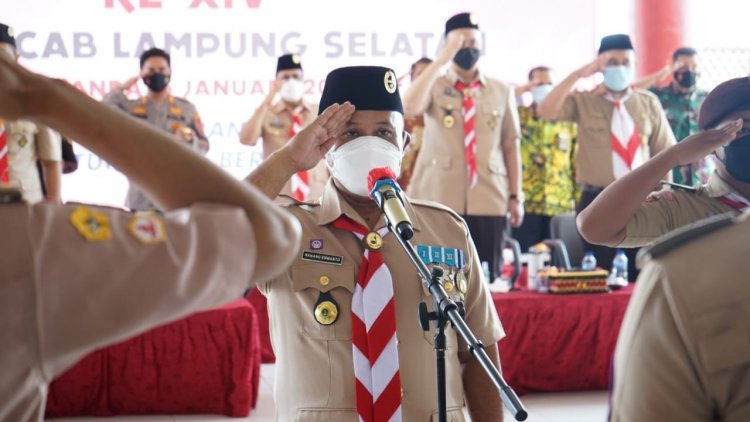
[(685, 235), (435, 205), (679, 187)]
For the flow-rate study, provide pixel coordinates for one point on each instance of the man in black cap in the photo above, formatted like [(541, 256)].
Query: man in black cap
[(470, 160), (346, 340), (619, 217), (619, 127), (159, 108), (24, 145), (278, 121)]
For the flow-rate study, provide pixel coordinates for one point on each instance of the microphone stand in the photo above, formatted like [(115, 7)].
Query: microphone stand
[(445, 309)]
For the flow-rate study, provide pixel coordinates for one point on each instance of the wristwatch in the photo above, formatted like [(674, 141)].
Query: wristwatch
[(516, 197)]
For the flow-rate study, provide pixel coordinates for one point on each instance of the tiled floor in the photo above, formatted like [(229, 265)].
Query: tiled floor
[(558, 407)]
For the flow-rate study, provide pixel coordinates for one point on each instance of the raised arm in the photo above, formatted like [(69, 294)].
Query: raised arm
[(549, 108), (604, 221), (172, 174), (417, 97), (253, 128)]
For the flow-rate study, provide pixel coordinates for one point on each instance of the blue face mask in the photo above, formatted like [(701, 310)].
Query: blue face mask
[(539, 92), (737, 159), (618, 78)]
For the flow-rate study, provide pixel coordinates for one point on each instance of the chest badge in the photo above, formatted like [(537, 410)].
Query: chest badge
[(326, 309), (373, 241), (92, 225)]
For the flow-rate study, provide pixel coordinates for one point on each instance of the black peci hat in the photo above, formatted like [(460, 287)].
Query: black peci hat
[(7, 35), (615, 42), (730, 96), (461, 20), (366, 87), (288, 61)]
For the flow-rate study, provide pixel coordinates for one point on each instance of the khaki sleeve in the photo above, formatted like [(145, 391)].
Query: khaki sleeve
[(654, 374), (197, 124), (94, 293), (511, 127), (662, 136), (48, 144), (569, 110), (481, 315), (659, 217)]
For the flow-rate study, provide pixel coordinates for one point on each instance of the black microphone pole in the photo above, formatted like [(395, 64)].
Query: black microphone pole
[(445, 309)]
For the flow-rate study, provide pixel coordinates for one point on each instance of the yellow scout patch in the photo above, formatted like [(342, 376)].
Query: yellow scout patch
[(148, 228), (390, 82), (92, 225)]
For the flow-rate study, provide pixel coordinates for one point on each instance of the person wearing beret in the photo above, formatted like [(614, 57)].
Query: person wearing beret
[(470, 160), (343, 326), (30, 153), (76, 278), (277, 121), (159, 108), (620, 217), (619, 127)]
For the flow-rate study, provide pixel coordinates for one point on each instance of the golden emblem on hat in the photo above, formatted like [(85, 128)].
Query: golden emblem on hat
[(473, 19), (326, 312), (295, 59), (448, 121), (373, 241), (390, 82), (11, 32), (92, 225)]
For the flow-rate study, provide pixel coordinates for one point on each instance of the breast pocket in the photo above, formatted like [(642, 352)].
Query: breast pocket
[(324, 289), (20, 134)]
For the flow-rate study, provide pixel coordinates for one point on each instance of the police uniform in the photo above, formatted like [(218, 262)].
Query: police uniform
[(275, 133), (440, 172), (310, 306), (62, 295), (172, 115), (683, 352), (27, 143), (548, 177)]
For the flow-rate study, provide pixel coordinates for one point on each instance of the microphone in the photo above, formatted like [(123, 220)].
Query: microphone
[(386, 193)]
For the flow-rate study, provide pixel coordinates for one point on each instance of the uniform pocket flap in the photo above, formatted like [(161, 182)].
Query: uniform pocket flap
[(323, 277)]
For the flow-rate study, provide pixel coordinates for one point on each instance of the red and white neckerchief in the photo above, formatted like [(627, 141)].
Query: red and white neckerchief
[(374, 343), (735, 201), (625, 139), (469, 111), (301, 180), (4, 165)]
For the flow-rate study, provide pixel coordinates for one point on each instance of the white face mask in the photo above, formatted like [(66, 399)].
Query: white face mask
[(292, 90), (352, 162)]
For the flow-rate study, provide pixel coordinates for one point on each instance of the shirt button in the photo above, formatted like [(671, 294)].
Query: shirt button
[(324, 280), (402, 392), (434, 162)]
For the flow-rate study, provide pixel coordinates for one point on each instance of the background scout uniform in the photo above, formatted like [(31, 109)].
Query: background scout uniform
[(595, 161), (440, 172), (547, 153), (683, 352), (26, 143), (171, 115), (59, 303)]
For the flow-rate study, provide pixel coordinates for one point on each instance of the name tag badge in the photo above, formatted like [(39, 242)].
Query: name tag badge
[(322, 258)]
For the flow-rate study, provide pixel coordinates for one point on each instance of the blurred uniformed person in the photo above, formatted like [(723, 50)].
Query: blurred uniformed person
[(343, 316), (76, 278), (683, 352), (415, 126), (619, 127), (278, 121), (470, 159), (621, 217), (23, 144), (547, 152), (174, 115)]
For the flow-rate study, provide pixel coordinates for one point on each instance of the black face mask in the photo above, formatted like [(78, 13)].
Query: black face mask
[(466, 58), (156, 82), (737, 158), (686, 79)]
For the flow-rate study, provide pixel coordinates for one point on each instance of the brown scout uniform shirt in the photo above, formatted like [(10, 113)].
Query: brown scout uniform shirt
[(593, 113), (27, 143), (683, 353), (170, 116), (275, 134), (61, 296), (657, 218), (314, 367), (440, 171)]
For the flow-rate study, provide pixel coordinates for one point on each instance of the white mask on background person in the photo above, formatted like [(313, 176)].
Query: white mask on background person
[(351, 163), (293, 90), (540, 92)]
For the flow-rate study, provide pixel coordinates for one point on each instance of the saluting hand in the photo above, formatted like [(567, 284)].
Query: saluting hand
[(312, 143), (592, 68), (701, 144), (453, 42)]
